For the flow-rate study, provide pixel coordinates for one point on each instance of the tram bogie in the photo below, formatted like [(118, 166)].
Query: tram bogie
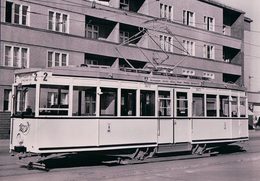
[(59, 110)]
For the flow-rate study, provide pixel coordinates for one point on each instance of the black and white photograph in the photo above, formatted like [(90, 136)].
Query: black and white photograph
[(129, 90)]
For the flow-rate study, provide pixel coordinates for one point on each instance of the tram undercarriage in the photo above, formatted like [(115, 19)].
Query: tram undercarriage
[(127, 156)]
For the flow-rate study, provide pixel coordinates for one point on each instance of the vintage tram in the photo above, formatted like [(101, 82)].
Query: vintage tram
[(93, 109)]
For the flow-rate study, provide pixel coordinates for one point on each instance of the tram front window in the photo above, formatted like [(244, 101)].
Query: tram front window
[(54, 100), (24, 101)]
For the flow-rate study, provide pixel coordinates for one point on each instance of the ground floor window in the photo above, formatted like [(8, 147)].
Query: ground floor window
[(7, 100)]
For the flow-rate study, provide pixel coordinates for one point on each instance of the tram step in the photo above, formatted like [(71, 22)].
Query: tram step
[(171, 148)]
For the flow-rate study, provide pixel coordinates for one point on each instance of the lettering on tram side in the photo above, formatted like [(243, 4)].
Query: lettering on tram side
[(165, 81)]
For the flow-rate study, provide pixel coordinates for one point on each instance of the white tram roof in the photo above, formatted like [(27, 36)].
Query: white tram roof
[(140, 75)]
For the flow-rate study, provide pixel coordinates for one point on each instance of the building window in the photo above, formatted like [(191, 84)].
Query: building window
[(198, 105), (92, 31), (17, 13), (56, 59), (182, 104), (58, 22), (128, 102), (16, 57), (208, 52), (166, 12), (211, 105), (188, 18), (209, 23), (124, 36), (166, 43), (189, 47), (164, 103), (124, 4), (7, 100)]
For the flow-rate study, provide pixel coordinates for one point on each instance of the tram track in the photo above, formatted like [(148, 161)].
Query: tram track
[(173, 163), (155, 160)]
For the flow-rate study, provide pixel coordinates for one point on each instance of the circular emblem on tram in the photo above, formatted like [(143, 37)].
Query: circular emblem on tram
[(24, 128)]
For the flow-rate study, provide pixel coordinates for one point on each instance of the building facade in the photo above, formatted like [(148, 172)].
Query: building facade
[(198, 39), (251, 69)]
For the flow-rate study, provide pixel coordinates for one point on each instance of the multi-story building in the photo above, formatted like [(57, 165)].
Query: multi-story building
[(198, 39), (251, 74)]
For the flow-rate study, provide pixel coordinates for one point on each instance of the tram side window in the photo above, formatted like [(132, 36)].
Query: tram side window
[(54, 100), (147, 104), (242, 107), (224, 106), (84, 101), (234, 106), (211, 105), (164, 103), (108, 102), (198, 105), (128, 102), (24, 101), (182, 104)]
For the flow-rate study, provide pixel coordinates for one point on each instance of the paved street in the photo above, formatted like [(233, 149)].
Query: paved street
[(229, 166)]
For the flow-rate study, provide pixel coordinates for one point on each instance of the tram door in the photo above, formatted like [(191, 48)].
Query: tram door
[(182, 123), (165, 114)]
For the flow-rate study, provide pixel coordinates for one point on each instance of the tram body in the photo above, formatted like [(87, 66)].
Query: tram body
[(60, 110)]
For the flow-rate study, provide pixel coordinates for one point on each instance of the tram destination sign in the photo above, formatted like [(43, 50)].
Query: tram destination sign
[(172, 82)]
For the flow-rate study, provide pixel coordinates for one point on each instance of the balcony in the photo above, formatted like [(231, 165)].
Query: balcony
[(233, 23), (131, 5), (130, 35), (232, 55), (96, 28)]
